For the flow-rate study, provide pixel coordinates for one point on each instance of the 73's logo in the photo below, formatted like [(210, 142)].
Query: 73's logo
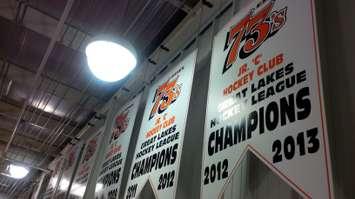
[(165, 95), (254, 29)]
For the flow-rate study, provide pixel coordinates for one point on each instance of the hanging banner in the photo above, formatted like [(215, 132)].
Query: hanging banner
[(71, 155), (56, 167), (265, 98), (86, 163), (155, 165), (110, 177)]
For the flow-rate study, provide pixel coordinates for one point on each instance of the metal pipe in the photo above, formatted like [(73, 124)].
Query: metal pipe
[(4, 65), (42, 11), (43, 109), (48, 52), (59, 129), (53, 111), (18, 154), (18, 9), (3, 77), (44, 93), (11, 190), (36, 106), (73, 79), (3, 184), (181, 5), (71, 132), (60, 99), (137, 17), (50, 78), (155, 10), (20, 21), (65, 93), (58, 180), (8, 88), (66, 121), (39, 187), (51, 94), (63, 126), (58, 104)]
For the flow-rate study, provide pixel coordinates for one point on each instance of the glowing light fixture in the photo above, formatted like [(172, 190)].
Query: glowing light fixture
[(17, 172), (110, 60), (64, 184), (98, 187), (78, 190)]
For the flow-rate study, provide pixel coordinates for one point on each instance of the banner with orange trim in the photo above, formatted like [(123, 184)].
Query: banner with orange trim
[(56, 166), (70, 155), (85, 166), (110, 176), (265, 100), (155, 166)]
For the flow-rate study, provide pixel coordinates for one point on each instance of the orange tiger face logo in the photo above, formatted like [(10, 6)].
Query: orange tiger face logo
[(90, 150), (121, 124), (70, 159), (165, 95)]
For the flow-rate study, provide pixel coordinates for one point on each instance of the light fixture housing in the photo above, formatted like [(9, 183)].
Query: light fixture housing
[(110, 58), (18, 172), (99, 187)]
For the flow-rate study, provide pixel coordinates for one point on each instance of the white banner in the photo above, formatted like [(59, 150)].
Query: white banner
[(86, 163), (71, 155), (56, 167), (265, 99), (109, 180), (156, 161)]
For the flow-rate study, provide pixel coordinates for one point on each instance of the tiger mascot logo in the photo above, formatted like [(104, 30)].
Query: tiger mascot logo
[(121, 124), (165, 95), (90, 150)]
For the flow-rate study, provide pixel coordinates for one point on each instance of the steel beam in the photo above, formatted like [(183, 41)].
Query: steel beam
[(43, 63), (181, 5)]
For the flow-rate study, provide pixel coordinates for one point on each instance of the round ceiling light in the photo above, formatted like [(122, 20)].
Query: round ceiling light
[(17, 172), (110, 60)]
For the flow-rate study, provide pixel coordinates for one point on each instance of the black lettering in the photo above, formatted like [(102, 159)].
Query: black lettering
[(219, 140), (303, 103), (287, 109), (252, 123), (228, 141), (271, 116), (210, 148), (239, 132)]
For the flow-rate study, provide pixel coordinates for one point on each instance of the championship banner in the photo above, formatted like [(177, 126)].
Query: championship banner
[(56, 167), (71, 155), (265, 101), (110, 177), (85, 165), (155, 165)]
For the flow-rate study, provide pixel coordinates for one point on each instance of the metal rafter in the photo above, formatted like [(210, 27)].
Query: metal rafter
[(181, 5), (40, 68)]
